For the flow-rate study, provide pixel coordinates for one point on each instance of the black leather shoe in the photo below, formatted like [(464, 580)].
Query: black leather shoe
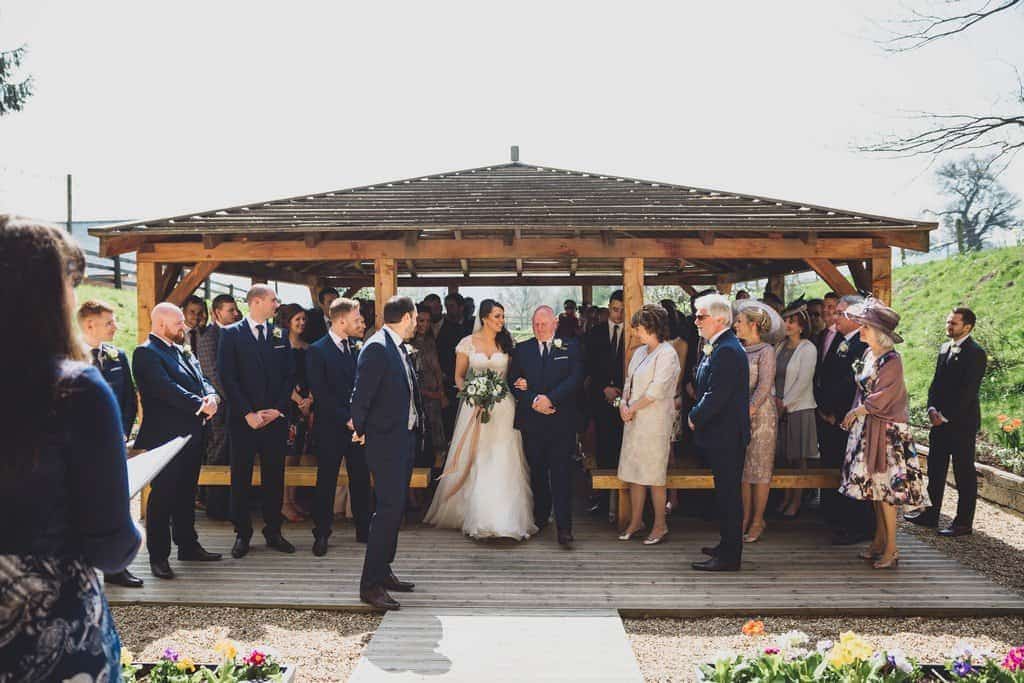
[(123, 578), (710, 551), (320, 546), (161, 569), (198, 553), (393, 583), (928, 518), (565, 539), (241, 547), (716, 564), (378, 598), (953, 531), (278, 542)]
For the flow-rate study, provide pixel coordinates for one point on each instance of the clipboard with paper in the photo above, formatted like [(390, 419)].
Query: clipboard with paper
[(144, 467)]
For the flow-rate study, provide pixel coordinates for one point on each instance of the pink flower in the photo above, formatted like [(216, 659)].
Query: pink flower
[(1014, 660), (257, 658), (771, 651)]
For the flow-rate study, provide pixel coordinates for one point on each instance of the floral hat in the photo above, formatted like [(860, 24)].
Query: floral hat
[(876, 314)]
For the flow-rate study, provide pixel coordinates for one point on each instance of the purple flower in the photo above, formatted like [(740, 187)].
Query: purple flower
[(170, 655), (962, 668)]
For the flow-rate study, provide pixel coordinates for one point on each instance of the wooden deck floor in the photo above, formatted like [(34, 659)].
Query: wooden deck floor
[(792, 571)]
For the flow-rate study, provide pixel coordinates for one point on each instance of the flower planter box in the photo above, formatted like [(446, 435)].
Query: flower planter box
[(994, 485), (287, 672)]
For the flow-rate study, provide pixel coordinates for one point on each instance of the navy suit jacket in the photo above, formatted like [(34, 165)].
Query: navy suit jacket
[(118, 374), (172, 389), (721, 416), (834, 384), (957, 381), (380, 401), (332, 377), (255, 376), (558, 378)]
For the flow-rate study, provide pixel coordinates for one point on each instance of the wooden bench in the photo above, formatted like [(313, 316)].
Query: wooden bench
[(694, 478), (294, 475)]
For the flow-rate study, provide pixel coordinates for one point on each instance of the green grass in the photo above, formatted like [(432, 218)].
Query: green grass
[(124, 303)]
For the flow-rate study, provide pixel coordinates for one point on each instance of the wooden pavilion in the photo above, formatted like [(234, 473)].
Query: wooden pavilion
[(513, 224)]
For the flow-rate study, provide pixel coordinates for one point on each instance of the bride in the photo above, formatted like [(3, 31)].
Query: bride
[(486, 493)]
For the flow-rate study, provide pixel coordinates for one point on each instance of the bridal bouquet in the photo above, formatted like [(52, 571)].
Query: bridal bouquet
[(483, 390)]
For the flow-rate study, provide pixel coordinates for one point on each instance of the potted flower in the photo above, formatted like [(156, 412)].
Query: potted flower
[(173, 667)]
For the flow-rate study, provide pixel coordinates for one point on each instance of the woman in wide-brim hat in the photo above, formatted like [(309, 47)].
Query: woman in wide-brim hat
[(881, 463)]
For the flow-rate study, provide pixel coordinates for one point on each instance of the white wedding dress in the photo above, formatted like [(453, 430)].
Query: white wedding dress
[(496, 500)]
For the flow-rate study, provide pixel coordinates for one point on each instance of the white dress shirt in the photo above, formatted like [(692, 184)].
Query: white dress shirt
[(399, 342)]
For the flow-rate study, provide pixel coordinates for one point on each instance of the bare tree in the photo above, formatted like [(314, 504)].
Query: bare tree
[(519, 303), (979, 202), (13, 94), (999, 134)]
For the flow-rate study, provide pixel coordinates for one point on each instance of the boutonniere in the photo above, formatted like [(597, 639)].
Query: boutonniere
[(558, 343), (954, 350), (844, 347), (186, 351), (857, 366), (708, 348), (277, 333), (358, 345), (111, 352), (617, 402), (409, 349)]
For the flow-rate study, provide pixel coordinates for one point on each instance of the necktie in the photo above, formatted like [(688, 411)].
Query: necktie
[(413, 384), (96, 357), (262, 337), (192, 339), (545, 354), (615, 337)]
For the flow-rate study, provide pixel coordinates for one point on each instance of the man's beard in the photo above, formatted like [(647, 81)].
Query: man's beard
[(180, 338)]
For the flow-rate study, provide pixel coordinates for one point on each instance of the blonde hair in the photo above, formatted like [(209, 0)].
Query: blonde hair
[(758, 318)]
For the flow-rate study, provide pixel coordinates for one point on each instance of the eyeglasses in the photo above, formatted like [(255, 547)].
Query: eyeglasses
[(701, 316)]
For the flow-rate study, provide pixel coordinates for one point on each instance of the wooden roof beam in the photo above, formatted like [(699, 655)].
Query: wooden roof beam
[(574, 264), (412, 237), (519, 267), (918, 240), (809, 237), (211, 241), (121, 244), (828, 272), (707, 237), (190, 283)]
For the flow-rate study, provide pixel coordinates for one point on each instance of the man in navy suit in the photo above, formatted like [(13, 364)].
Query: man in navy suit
[(176, 401), (98, 325), (318, 317), (387, 416), (331, 372), (546, 374), (720, 421), (258, 374)]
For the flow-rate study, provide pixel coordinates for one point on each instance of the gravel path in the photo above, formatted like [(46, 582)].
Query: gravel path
[(671, 649), (323, 645)]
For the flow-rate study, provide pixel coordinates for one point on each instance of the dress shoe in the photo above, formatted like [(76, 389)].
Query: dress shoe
[(929, 518), (278, 542), (378, 597), (954, 530), (393, 583), (241, 547), (320, 546), (710, 551), (716, 564), (123, 578), (198, 553), (565, 539), (161, 569)]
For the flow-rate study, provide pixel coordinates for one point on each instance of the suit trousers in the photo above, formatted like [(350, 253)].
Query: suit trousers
[(390, 459), (172, 503), (549, 454), (271, 443), (329, 455), (842, 513), (957, 443), (216, 453), (727, 469)]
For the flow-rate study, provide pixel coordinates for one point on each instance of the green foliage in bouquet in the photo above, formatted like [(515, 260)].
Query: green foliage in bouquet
[(483, 390)]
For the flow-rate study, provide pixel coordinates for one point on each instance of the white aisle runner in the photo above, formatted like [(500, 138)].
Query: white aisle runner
[(495, 645)]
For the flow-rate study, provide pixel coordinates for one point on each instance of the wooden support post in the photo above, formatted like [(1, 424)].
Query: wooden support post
[(828, 272), (632, 298), (881, 277), (168, 279), (777, 286), (118, 280), (588, 294), (351, 291), (453, 289), (190, 283), (689, 289), (385, 286), (861, 272), (146, 277)]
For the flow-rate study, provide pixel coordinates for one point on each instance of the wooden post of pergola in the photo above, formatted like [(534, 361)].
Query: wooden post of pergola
[(385, 286), (145, 293), (587, 294), (632, 299), (881, 276)]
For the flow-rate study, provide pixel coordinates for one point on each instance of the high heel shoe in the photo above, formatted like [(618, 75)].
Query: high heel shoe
[(870, 554), (751, 537), (630, 535), (651, 540), (893, 562)]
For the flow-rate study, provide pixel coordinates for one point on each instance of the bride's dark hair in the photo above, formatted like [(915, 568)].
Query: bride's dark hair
[(504, 338)]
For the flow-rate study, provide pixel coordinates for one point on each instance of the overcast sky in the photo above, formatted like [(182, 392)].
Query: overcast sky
[(163, 108)]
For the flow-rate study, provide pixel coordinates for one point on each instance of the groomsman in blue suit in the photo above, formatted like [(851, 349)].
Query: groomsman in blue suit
[(720, 421), (331, 372), (546, 373), (98, 326), (258, 373), (387, 415), (176, 401)]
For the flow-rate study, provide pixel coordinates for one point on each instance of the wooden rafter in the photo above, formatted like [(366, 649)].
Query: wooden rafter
[(168, 278), (191, 282), (828, 272)]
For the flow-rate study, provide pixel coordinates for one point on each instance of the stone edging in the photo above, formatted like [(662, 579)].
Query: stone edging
[(994, 485)]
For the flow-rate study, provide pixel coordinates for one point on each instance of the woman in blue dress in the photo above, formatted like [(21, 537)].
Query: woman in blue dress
[(63, 480)]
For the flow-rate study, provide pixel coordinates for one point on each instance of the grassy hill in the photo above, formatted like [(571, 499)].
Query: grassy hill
[(124, 302), (991, 283)]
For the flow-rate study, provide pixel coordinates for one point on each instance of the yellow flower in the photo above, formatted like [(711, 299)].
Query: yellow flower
[(226, 648), (126, 658), (186, 664), (849, 649)]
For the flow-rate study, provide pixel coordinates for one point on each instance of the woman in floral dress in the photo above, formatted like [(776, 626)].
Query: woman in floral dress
[(881, 462)]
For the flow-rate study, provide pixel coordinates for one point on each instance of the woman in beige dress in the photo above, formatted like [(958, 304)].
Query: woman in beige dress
[(647, 409)]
